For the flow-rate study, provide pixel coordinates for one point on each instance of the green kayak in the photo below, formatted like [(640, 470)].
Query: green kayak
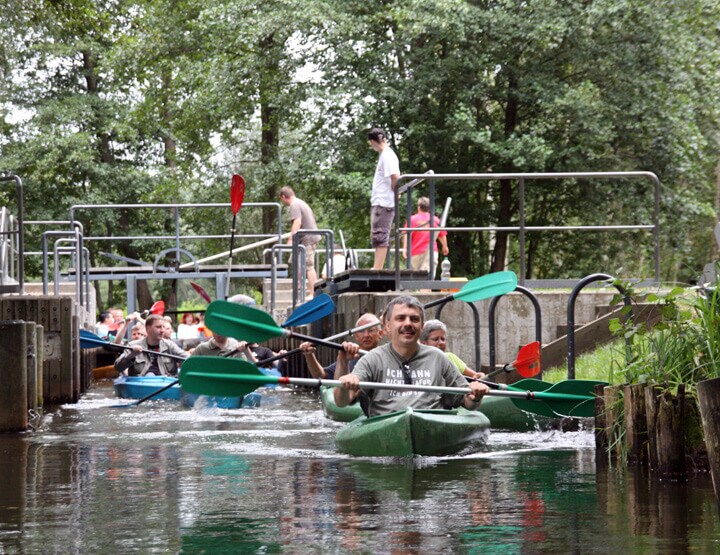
[(333, 412), (501, 412), (413, 432)]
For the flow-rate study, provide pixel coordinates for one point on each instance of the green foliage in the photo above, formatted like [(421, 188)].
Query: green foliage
[(161, 101), (682, 348)]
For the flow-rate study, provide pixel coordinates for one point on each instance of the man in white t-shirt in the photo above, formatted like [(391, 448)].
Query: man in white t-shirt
[(382, 201)]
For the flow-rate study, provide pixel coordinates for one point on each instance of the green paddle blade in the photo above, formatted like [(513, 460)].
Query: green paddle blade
[(241, 322), (218, 376), (311, 311), (484, 287), (490, 285), (570, 398), (531, 385), (533, 407)]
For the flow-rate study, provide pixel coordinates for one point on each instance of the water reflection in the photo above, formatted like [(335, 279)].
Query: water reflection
[(165, 479)]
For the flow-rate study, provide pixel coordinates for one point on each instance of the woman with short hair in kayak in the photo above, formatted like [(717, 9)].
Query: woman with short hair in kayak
[(405, 360), (434, 333)]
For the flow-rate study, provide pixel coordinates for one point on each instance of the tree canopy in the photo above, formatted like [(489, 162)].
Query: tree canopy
[(124, 101)]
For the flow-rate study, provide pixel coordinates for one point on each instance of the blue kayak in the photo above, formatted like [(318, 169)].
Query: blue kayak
[(138, 387)]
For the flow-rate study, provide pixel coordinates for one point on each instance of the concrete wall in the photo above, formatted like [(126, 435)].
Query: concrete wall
[(515, 318)]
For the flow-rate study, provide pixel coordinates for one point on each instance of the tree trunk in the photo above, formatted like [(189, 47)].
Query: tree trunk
[(505, 209), (270, 133), (169, 143)]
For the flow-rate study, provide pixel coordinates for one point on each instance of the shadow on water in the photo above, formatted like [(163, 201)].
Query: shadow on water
[(164, 479)]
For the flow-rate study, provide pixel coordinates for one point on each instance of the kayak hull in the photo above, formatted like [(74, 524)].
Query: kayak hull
[(333, 412), (137, 387), (501, 411), (412, 432), (105, 372)]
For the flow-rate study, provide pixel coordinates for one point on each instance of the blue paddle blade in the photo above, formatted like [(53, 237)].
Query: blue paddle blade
[(311, 311), (88, 340)]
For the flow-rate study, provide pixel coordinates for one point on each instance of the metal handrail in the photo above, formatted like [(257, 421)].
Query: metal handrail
[(177, 235), (491, 322), (522, 228), (275, 258), (329, 249), (571, 313), (17, 232)]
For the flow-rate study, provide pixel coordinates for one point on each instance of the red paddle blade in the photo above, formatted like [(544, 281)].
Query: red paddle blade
[(237, 193), (201, 291), (158, 308), (528, 360)]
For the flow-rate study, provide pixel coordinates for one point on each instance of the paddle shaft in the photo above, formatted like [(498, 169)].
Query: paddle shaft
[(312, 382), (230, 258), (323, 342), (331, 338), (507, 368), (148, 397)]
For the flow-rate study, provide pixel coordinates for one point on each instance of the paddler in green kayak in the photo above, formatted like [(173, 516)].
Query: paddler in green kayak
[(405, 360)]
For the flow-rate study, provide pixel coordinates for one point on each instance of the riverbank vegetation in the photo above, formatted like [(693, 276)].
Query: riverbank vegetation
[(158, 101)]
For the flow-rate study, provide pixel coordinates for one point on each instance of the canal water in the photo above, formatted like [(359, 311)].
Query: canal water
[(157, 478)]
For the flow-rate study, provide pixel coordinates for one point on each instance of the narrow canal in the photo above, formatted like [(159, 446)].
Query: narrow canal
[(158, 478)]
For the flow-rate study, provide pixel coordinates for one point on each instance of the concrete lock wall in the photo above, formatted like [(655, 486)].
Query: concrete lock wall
[(514, 314)]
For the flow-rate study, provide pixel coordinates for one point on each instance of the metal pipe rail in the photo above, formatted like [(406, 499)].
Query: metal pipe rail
[(177, 236), (522, 228), (16, 256)]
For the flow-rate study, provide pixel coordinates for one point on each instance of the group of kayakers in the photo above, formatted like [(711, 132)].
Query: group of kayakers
[(413, 354), (156, 353)]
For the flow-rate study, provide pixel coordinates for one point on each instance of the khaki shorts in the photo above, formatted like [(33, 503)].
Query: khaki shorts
[(381, 219), (422, 262), (310, 251)]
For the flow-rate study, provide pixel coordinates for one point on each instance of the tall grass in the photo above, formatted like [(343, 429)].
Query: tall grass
[(603, 364)]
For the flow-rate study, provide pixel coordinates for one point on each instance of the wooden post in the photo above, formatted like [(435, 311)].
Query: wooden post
[(13, 379), (60, 361), (709, 397), (669, 426), (31, 366), (635, 424), (652, 393), (40, 358), (601, 434), (611, 396)]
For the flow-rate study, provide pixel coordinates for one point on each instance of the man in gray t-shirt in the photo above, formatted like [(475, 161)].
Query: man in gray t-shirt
[(405, 360), (302, 217)]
